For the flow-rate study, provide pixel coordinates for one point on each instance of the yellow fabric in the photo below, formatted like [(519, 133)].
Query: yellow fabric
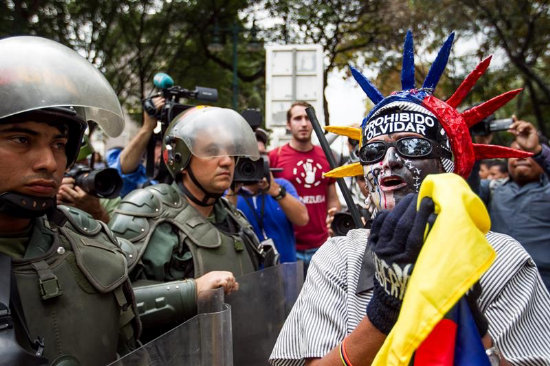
[(454, 256), (349, 170), (352, 132)]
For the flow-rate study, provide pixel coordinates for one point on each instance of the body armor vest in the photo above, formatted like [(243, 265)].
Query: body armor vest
[(77, 296), (142, 211)]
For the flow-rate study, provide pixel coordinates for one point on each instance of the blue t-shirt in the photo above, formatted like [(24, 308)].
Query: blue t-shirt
[(130, 181), (275, 223)]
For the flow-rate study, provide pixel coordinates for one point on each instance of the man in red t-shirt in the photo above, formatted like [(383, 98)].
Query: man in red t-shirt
[(303, 165)]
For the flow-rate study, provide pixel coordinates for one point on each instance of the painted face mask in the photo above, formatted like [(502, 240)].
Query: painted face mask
[(432, 128)]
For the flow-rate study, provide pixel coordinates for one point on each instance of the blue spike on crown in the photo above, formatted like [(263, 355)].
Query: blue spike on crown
[(407, 73), (439, 64)]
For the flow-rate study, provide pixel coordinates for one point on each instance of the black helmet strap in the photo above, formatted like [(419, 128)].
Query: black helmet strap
[(207, 195), (25, 206)]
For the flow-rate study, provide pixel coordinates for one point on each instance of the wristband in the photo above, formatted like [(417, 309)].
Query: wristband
[(281, 194), (343, 354)]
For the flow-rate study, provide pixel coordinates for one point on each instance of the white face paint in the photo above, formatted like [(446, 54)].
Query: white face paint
[(394, 177)]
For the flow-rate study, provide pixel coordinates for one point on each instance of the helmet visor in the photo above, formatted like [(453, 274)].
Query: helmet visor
[(38, 73), (213, 132)]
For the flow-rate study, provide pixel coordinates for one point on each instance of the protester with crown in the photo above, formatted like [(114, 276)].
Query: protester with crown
[(363, 304)]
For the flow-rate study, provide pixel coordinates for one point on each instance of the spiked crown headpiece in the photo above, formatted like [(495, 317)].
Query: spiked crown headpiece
[(455, 125)]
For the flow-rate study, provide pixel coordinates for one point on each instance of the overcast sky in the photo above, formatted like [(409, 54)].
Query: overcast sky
[(346, 100)]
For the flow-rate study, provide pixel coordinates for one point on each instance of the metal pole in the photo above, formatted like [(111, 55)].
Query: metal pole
[(235, 84), (352, 207)]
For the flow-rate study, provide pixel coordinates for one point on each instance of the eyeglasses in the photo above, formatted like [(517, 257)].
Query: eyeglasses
[(409, 147)]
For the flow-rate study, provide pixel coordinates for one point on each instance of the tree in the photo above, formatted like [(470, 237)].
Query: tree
[(341, 27), (131, 40), (522, 30), (517, 32)]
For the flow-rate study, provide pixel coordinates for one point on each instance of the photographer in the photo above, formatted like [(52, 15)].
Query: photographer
[(71, 194), (519, 206), (272, 208), (128, 162)]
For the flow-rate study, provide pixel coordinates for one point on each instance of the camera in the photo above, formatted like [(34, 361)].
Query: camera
[(173, 93), (489, 125), (343, 221), (247, 170), (250, 171), (103, 183)]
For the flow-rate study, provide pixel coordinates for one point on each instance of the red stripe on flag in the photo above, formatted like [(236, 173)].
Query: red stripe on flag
[(439, 347)]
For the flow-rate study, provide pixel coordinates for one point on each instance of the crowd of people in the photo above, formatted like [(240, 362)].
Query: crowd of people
[(159, 242)]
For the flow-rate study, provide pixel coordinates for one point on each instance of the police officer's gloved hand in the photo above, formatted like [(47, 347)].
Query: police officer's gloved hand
[(395, 239), (482, 323)]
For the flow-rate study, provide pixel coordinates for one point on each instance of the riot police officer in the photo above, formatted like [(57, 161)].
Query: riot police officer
[(187, 229), (65, 298)]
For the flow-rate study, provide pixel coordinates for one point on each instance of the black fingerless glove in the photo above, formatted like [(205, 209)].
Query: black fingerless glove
[(395, 240)]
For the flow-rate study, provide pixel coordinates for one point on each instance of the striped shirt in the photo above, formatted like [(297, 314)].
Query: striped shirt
[(514, 300)]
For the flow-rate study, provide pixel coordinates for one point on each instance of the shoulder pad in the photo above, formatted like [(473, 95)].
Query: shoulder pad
[(81, 221), (141, 202), (130, 252), (131, 219), (99, 257), (130, 227), (168, 195), (149, 202)]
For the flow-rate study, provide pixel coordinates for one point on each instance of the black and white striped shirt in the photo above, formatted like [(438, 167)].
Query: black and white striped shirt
[(514, 300)]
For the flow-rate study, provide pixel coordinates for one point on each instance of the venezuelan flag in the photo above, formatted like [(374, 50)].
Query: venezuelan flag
[(434, 324), (454, 341)]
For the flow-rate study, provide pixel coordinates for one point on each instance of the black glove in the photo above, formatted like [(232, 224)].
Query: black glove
[(395, 239), (482, 323)]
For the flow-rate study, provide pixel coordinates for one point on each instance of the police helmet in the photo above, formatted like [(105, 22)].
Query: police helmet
[(207, 132), (44, 81)]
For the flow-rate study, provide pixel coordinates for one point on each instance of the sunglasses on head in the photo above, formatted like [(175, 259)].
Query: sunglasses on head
[(408, 147)]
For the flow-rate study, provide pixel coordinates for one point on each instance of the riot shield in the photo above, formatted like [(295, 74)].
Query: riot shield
[(259, 310), (204, 340)]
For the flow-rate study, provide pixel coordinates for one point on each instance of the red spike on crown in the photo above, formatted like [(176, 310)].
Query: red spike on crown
[(455, 124)]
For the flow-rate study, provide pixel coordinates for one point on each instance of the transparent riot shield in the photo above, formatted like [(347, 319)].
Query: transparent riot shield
[(204, 340), (259, 310)]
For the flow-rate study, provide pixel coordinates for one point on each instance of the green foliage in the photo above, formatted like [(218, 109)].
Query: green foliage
[(517, 32), (131, 40), (341, 27)]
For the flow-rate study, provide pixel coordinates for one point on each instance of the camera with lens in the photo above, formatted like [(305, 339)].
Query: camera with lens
[(489, 125), (173, 93), (102, 183), (249, 171), (343, 221)]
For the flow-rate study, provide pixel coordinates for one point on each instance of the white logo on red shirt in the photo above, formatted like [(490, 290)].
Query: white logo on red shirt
[(305, 170)]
